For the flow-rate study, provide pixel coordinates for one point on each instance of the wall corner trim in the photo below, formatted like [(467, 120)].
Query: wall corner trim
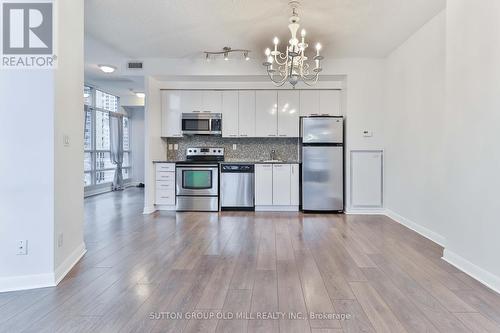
[(148, 210), (63, 269), (483, 276), (427, 233)]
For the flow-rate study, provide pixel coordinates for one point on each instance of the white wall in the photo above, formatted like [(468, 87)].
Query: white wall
[(42, 188), (472, 138), (27, 177), (69, 119), (414, 109), (136, 116), (154, 146)]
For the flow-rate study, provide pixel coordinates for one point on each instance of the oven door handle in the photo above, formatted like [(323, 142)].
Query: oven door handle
[(198, 166)]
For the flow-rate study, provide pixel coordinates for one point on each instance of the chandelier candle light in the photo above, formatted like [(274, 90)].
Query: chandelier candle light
[(292, 65)]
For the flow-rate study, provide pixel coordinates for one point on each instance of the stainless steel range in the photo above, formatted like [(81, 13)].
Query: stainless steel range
[(197, 184)]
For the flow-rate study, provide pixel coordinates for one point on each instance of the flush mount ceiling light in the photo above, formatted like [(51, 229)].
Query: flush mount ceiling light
[(107, 68), (292, 65), (140, 94), (225, 52)]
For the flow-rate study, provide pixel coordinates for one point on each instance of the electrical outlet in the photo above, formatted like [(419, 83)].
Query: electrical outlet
[(176, 146), (170, 146), (22, 247), (60, 240), (66, 140), (234, 146)]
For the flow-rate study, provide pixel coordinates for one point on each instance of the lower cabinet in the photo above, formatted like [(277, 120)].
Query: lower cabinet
[(276, 187), (165, 185)]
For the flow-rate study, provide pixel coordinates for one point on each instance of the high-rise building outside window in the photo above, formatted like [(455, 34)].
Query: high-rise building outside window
[(98, 168)]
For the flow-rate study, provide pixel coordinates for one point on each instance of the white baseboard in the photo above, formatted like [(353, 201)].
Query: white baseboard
[(149, 210), (64, 268), (23, 282), (488, 279), (276, 208), (168, 208), (34, 281), (427, 233), (365, 211)]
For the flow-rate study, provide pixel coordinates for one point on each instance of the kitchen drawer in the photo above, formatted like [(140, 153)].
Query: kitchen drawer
[(167, 176), (165, 167), (165, 197), (165, 185)]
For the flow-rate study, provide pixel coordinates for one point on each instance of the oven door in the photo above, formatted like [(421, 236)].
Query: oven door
[(202, 180)]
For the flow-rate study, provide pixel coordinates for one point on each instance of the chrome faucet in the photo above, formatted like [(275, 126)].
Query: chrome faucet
[(273, 155)]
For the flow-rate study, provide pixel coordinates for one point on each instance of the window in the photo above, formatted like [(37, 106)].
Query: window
[(98, 168)]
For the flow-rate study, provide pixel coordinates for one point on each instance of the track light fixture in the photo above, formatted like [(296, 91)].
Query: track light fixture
[(226, 52)]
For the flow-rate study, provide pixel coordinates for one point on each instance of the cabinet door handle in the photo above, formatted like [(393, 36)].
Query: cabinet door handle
[(232, 135), (196, 111), (207, 111), (283, 135), (271, 135), (243, 134)]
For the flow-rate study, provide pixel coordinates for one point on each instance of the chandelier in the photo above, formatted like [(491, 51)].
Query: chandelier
[(292, 65)]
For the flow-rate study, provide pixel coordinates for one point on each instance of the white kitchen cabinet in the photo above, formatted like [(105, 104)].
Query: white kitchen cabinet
[(211, 101), (281, 184), (171, 110), (366, 178), (276, 187), (230, 114), (330, 102), (263, 184), (266, 104), (294, 185), (165, 185), (192, 101), (246, 113), (288, 113), (309, 102)]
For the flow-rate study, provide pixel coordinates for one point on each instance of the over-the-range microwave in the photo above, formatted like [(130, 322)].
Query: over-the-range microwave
[(201, 123)]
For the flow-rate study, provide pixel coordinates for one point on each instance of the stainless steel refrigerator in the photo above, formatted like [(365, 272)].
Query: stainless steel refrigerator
[(322, 154)]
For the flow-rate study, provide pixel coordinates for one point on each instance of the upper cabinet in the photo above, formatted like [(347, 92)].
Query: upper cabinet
[(246, 113), (191, 100), (249, 113), (230, 114), (171, 105), (266, 104), (209, 101), (309, 102), (320, 103), (288, 113), (212, 101), (330, 102)]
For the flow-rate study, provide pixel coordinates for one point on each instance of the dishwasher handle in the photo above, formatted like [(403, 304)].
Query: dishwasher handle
[(237, 168)]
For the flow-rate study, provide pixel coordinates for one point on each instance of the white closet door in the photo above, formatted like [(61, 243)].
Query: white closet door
[(367, 179)]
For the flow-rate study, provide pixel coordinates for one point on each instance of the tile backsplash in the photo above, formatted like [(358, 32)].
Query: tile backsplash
[(247, 149)]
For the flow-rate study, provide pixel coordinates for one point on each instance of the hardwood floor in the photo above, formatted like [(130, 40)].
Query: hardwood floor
[(142, 273)]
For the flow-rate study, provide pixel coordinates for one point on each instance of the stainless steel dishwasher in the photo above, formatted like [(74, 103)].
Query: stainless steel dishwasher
[(237, 186)]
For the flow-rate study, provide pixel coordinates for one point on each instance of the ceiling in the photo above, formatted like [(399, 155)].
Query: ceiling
[(185, 28)]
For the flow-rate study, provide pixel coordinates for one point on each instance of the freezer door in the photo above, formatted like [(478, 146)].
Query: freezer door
[(322, 178), (322, 130)]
